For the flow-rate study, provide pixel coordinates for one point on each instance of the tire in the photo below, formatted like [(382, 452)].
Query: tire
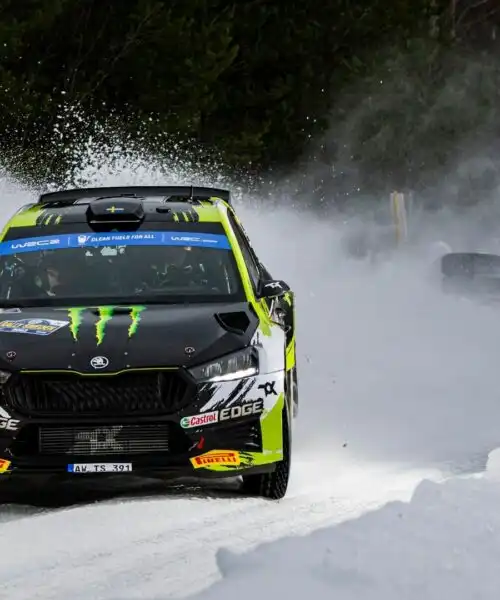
[(273, 486)]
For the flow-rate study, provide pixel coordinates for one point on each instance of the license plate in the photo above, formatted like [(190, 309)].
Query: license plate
[(100, 468)]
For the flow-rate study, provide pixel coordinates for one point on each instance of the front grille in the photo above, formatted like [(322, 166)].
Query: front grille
[(132, 393), (104, 440), (99, 440)]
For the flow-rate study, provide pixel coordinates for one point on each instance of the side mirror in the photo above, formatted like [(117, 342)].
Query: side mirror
[(273, 288)]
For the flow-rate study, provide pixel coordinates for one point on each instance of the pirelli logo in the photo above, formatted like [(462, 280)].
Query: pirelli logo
[(216, 457), (4, 465)]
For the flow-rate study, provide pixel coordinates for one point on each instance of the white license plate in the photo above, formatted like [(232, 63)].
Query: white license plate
[(100, 468)]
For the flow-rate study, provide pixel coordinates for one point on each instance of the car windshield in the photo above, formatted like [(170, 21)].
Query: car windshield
[(145, 266)]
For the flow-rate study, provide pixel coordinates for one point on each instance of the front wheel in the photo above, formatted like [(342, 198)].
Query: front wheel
[(273, 486)]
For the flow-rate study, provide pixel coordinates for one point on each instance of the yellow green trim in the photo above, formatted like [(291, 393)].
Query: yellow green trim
[(259, 305), (4, 231), (240, 261), (290, 354), (25, 218), (291, 347), (107, 374), (272, 431)]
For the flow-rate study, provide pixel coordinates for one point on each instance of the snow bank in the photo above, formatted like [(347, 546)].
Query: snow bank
[(444, 543)]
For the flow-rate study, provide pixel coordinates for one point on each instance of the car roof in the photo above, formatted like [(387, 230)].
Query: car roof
[(117, 204)]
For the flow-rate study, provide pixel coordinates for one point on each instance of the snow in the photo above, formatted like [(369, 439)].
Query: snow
[(399, 412), (443, 543), (163, 543)]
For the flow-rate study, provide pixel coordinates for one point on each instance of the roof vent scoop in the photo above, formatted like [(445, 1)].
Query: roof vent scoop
[(123, 213)]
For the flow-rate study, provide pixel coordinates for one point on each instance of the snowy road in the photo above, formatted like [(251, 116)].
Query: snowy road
[(160, 545), (397, 384)]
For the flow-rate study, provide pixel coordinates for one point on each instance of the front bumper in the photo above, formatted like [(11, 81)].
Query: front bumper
[(220, 431)]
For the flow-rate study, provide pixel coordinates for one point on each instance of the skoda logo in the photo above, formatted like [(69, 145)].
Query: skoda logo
[(99, 362)]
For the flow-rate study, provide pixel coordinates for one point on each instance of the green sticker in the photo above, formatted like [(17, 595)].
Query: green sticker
[(106, 313)]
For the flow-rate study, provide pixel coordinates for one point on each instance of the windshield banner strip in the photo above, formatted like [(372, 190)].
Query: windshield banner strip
[(143, 238)]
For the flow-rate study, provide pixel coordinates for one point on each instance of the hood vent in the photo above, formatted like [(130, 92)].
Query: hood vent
[(234, 322)]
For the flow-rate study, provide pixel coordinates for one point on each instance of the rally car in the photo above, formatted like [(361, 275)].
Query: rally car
[(140, 333), (471, 274)]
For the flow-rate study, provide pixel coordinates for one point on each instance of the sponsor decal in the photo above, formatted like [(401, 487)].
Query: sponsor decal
[(29, 245), (105, 314), (4, 465), (32, 326), (216, 457), (146, 238), (34, 244), (227, 393), (135, 316), (245, 410), (99, 362), (114, 209), (100, 468), (195, 240), (6, 422), (75, 320), (199, 444), (200, 420), (9, 424), (100, 439), (269, 388), (47, 217), (188, 216)]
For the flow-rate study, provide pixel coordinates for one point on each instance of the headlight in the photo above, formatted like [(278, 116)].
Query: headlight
[(243, 363)]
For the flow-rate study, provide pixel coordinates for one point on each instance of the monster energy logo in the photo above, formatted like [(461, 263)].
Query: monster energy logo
[(105, 314)]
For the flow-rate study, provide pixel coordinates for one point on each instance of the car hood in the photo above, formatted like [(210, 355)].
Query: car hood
[(122, 337)]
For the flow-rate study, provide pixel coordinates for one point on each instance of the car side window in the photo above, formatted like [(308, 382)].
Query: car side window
[(248, 254)]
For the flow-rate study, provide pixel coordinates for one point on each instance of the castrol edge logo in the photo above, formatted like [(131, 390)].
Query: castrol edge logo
[(199, 420), (216, 457)]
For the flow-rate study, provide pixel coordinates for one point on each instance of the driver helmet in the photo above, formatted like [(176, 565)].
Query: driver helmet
[(180, 258), (61, 267)]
